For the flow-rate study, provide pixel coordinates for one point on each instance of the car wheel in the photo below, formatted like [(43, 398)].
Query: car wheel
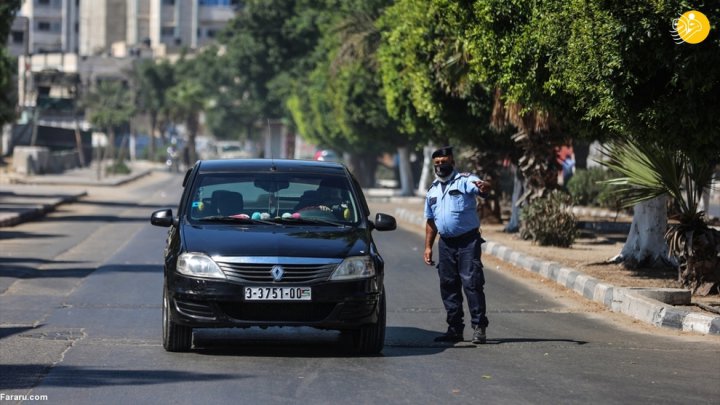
[(176, 338), (370, 339)]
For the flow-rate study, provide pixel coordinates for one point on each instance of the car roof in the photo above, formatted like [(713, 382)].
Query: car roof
[(276, 165)]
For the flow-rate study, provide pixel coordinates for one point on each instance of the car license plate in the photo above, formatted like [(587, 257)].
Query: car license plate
[(278, 294)]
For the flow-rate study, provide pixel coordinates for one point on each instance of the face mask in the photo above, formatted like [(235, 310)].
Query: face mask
[(444, 170)]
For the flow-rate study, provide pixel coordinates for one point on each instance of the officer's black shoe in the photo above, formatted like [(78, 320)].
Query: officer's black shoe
[(479, 337), (452, 335)]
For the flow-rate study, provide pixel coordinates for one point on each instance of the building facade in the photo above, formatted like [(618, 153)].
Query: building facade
[(117, 27), (43, 26)]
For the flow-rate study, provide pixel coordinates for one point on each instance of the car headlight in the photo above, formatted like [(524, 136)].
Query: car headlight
[(198, 265), (354, 267)]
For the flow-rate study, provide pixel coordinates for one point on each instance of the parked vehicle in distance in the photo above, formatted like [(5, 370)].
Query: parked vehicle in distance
[(326, 155), (234, 150), (260, 242)]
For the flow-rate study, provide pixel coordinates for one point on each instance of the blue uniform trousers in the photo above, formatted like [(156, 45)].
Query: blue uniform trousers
[(460, 269)]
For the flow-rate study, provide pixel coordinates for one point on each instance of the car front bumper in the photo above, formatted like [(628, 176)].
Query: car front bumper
[(201, 303)]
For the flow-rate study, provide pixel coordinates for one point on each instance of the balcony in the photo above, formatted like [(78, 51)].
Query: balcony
[(49, 12), (209, 14)]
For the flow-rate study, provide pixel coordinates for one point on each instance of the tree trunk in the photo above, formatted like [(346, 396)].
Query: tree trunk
[(700, 267), (363, 167), (192, 126), (406, 178), (427, 172), (513, 225), (110, 151), (645, 245), (152, 151)]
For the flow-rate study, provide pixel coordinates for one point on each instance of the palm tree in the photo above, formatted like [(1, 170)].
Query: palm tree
[(649, 171), (111, 106), (187, 100), (152, 81)]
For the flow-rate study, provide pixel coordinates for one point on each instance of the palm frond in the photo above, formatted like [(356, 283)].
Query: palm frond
[(648, 171)]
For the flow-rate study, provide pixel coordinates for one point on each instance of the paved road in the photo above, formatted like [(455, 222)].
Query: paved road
[(80, 323)]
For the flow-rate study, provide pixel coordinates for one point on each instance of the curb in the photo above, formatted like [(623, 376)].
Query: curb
[(15, 218), (624, 300), (12, 218), (107, 182)]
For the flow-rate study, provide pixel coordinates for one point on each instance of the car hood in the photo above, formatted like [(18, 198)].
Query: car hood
[(288, 241)]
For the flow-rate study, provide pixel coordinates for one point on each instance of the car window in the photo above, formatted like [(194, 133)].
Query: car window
[(281, 197)]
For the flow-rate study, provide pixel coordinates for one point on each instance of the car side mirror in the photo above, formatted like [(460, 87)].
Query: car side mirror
[(162, 218), (385, 222)]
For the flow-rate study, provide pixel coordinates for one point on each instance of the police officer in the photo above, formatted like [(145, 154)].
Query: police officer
[(450, 212)]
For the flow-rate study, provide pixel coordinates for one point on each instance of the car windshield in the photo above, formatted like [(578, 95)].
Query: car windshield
[(273, 198)]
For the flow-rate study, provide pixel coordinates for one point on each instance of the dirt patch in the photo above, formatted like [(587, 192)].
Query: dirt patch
[(589, 254)]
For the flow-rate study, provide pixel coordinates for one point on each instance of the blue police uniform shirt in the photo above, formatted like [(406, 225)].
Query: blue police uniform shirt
[(454, 210)]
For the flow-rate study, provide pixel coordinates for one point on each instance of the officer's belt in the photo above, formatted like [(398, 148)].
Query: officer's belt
[(460, 237)]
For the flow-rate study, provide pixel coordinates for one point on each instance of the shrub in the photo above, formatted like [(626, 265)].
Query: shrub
[(118, 167), (586, 188), (549, 221)]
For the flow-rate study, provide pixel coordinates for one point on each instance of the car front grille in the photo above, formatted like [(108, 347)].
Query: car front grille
[(261, 273)]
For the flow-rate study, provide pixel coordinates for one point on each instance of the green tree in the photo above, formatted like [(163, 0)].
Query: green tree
[(152, 80), (231, 114), (341, 104), (426, 66), (650, 171), (268, 46), (8, 66), (629, 79), (186, 100), (110, 107)]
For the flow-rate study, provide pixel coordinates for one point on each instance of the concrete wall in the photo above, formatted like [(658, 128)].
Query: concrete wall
[(29, 160)]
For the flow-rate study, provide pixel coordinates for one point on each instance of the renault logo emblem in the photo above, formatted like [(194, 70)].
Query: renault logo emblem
[(277, 272)]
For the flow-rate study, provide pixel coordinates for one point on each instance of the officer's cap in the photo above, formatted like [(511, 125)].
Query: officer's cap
[(444, 151)]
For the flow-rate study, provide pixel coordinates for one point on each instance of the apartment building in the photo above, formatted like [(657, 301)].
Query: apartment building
[(43, 26), (64, 47), (117, 27)]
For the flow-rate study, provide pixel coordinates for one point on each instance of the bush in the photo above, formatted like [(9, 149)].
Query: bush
[(549, 221), (586, 188), (118, 167)]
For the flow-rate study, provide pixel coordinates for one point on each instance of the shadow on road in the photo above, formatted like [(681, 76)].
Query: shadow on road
[(27, 375), (97, 218), (308, 342), (6, 331), (119, 204), (28, 235)]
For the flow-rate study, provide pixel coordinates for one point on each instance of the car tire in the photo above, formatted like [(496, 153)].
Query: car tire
[(176, 338), (370, 339)]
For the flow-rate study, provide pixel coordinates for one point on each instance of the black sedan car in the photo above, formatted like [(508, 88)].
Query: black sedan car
[(261, 242)]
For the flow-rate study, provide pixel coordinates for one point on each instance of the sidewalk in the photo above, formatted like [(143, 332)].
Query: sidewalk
[(655, 306), (24, 198)]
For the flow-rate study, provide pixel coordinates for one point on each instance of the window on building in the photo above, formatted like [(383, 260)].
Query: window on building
[(211, 33), (18, 37), (43, 26), (167, 31), (215, 2), (49, 3), (168, 2)]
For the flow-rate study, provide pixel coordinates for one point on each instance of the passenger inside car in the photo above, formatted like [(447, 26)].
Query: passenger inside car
[(327, 195), (227, 202)]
